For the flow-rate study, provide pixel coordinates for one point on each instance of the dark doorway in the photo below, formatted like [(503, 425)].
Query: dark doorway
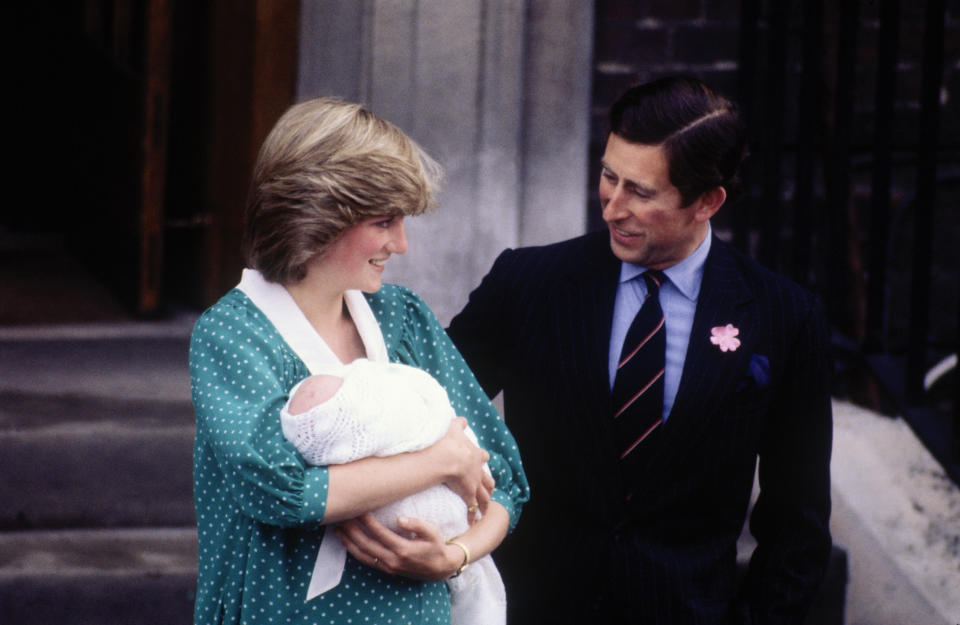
[(134, 127)]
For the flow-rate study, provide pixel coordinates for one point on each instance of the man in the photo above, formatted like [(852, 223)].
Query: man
[(638, 500)]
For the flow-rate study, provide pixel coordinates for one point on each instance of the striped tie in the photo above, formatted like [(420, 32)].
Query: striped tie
[(638, 384)]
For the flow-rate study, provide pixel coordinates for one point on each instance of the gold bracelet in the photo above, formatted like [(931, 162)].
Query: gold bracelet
[(466, 557)]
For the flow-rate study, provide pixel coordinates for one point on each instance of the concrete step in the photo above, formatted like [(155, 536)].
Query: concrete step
[(98, 577), (96, 426), (76, 461), (96, 438), (111, 363)]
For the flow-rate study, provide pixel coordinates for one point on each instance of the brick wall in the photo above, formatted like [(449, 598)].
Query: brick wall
[(639, 40), (636, 41)]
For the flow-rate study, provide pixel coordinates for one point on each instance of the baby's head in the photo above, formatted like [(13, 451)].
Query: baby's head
[(313, 391)]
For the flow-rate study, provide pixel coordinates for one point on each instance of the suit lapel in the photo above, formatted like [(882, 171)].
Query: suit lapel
[(584, 313), (583, 316), (709, 373)]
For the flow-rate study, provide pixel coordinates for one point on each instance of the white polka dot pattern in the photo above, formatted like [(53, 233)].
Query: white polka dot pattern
[(259, 505)]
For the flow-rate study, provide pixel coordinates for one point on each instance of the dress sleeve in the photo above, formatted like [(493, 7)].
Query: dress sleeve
[(241, 373), (424, 343)]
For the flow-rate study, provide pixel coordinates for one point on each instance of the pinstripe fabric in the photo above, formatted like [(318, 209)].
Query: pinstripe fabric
[(538, 329)]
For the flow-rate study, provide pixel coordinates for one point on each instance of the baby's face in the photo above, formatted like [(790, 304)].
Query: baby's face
[(314, 391)]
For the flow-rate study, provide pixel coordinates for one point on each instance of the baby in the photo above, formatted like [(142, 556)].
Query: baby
[(381, 409)]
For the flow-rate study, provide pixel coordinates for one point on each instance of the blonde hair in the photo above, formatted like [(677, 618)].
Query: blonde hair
[(327, 165)]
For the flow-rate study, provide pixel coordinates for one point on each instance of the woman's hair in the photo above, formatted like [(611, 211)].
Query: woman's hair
[(325, 166), (699, 129)]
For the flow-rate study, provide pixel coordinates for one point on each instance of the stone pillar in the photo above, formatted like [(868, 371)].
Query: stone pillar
[(496, 90)]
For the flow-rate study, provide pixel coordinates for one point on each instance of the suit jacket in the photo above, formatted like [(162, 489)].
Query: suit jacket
[(538, 327)]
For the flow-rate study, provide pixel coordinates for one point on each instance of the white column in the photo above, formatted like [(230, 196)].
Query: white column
[(496, 90)]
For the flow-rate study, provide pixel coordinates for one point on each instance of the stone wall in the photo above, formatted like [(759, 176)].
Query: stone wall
[(496, 90)]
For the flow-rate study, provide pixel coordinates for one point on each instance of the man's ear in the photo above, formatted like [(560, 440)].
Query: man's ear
[(709, 203)]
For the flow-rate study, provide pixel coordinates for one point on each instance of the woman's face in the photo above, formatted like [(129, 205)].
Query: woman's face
[(358, 256)]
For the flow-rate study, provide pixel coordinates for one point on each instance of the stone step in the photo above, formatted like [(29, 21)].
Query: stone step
[(111, 364), (101, 577), (79, 461), (96, 427)]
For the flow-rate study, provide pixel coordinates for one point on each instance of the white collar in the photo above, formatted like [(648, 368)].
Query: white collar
[(278, 305)]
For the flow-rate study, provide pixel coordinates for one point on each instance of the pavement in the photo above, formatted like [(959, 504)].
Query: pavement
[(897, 514)]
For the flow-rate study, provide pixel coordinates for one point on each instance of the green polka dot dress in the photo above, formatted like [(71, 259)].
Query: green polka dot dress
[(259, 506)]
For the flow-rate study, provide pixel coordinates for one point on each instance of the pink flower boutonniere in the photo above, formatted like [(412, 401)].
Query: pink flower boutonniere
[(725, 337)]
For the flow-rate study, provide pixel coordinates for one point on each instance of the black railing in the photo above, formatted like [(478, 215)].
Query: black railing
[(839, 141)]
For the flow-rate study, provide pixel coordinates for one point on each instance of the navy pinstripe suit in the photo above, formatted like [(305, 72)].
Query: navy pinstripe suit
[(538, 328)]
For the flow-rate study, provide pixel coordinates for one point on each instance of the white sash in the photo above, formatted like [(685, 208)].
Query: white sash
[(280, 308)]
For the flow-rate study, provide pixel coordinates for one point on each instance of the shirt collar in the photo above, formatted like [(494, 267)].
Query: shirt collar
[(685, 275)]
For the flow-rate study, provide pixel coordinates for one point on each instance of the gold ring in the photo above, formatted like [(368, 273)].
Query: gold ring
[(376, 560), (473, 508)]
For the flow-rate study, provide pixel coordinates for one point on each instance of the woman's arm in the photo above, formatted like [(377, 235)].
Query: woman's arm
[(418, 339), (240, 374), (446, 364), (363, 485), (425, 555), (421, 341)]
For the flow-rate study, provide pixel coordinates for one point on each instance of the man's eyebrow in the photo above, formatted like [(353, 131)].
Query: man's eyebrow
[(642, 188)]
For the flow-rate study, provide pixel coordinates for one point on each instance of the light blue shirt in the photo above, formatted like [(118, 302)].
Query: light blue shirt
[(678, 299)]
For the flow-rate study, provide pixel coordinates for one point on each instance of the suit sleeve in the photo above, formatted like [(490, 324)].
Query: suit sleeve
[(478, 330), (791, 517)]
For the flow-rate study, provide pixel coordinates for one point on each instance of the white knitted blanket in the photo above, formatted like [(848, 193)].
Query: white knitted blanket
[(382, 409)]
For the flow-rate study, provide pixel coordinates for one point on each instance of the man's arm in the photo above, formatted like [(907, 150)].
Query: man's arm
[(478, 331), (791, 518)]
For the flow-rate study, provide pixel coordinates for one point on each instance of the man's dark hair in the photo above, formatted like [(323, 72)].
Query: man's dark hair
[(699, 129)]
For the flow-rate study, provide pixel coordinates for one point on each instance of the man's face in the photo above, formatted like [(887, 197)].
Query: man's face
[(648, 224)]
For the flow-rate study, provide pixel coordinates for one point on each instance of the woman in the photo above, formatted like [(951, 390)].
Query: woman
[(330, 191)]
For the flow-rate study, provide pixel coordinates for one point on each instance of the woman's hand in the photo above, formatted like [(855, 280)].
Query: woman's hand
[(373, 482), (423, 555), (464, 463)]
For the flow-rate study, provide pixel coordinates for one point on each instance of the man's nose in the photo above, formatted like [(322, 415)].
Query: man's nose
[(613, 209)]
